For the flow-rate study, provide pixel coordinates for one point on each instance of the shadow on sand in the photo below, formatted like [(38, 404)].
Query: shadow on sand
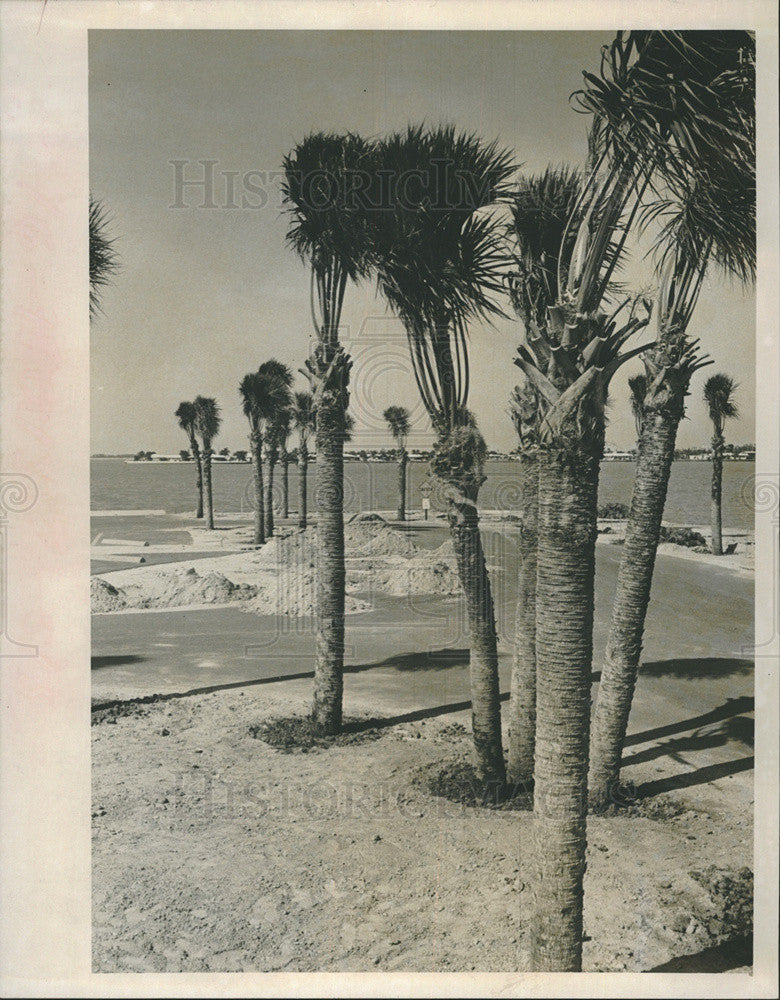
[(700, 776), (733, 954), (694, 669)]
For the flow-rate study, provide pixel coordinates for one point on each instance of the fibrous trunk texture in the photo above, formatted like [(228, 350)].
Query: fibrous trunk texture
[(303, 464), (199, 468), (285, 487), (568, 486), (207, 477), (522, 700), (483, 660), (716, 494), (632, 598), (256, 442), (331, 366), (402, 462), (269, 500)]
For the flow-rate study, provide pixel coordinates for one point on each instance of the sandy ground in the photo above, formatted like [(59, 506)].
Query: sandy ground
[(236, 856)]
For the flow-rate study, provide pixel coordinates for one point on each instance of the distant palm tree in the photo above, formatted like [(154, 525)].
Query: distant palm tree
[(263, 393), (637, 387), (718, 395), (103, 257), (540, 208), (438, 262), (397, 418), (304, 423), (330, 234), (207, 424), (187, 416)]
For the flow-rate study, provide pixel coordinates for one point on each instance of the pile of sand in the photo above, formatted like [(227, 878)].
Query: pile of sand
[(190, 588), (105, 597), (280, 579), (420, 575), (375, 538)]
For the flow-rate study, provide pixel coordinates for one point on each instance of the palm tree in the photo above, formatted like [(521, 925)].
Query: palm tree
[(397, 418), (304, 422), (637, 387), (718, 395), (330, 234), (438, 262), (643, 113), (187, 416), (103, 257), (207, 424), (540, 208), (263, 393), (708, 201)]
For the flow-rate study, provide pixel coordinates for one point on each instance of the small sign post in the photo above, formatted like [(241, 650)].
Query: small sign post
[(425, 490)]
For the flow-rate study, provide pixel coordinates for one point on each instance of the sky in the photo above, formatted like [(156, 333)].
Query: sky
[(208, 288)]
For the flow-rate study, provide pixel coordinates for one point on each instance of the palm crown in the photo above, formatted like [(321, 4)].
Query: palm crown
[(207, 419), (187, 417), (438, 263), (397, 418), (718, 395), (303, 415), (265, 393)]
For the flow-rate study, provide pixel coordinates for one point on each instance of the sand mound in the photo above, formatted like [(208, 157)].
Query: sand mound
[(105, 597), (418, 576), (190, 588), (371, 538), (292, 594)]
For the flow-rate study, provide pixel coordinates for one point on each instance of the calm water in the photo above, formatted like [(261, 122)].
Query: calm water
[(118, 485)]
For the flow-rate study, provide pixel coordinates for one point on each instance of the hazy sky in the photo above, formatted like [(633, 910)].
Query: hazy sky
[(206, 294)]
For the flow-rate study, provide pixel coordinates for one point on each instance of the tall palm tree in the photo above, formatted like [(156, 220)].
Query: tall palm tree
[(438, 262), (304, 423), (540, 208), (103, 257), (637, 388), (207, 424), (330, 234), (718, 395), (263, 393), (655, 95), (187, 416), (397, 418), (707, 198)]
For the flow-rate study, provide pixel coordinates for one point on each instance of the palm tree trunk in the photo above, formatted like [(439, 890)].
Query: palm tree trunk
[(402, 461), (303, 463), (568, 487), (285, 486), (331, 576), (716, 494), (207, 479), (269, 500), (483, 659), (632, 597), (199, 466), (522, 701), (256, 442)]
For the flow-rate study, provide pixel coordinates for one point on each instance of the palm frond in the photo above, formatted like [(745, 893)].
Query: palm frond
[(103, 256)]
